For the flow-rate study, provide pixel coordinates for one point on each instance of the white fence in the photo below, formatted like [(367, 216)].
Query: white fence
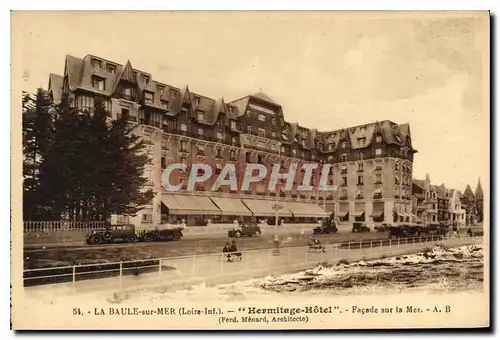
[(175, 271), (39, 226)]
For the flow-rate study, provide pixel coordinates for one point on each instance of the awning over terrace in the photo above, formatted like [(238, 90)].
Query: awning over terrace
[(189, 205), (300, 209), (231, 206), (265, 208)]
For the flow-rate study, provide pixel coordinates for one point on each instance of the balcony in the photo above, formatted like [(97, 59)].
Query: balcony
[(360, 197), (377, 182), (377, 196), (343, 171), (343, 198), (128, 97)]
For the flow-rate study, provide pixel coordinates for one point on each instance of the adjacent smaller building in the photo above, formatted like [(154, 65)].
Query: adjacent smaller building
[(437, 204)]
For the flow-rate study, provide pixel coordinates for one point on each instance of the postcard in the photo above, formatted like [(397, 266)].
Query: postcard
[(242, 170)]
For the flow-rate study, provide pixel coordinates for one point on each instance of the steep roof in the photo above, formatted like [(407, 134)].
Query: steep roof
[(55, 87), (468, 194), (264, 97)]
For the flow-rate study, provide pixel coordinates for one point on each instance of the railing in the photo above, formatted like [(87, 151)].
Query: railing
[(185, 269), (39, 226)]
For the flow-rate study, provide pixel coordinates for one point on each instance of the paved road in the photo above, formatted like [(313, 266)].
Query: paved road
[(36, 257), (182, 272)]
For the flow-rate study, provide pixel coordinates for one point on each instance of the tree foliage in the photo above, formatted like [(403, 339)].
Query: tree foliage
[(91, 168)]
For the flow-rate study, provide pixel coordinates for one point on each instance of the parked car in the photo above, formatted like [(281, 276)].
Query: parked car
[(328, 226), (161, 233), (383, 227), (112, 233), (245, 230), (360, 228)]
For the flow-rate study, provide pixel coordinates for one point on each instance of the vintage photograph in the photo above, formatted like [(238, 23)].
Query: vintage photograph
[(250, 170)]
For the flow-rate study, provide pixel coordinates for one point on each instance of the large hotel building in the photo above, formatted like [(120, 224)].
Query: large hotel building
[(372, 163)]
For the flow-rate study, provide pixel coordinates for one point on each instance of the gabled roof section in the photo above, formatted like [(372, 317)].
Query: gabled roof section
[(240, 105), (128, 73), (73, 68), (185, 96), (55, 87), (264, 97)]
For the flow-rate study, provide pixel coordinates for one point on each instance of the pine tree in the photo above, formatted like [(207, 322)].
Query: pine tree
[(38, 133)]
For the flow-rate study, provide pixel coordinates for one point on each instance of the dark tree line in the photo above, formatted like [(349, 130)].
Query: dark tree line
[(77, 166)]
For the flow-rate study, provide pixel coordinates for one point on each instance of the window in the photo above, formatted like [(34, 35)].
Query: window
[(233, 125), (362, 129), (396, 180), (148, 97), (220, 135), (294, 152), (343, 169), (360, 180), (273, 121), (361, 141), (160, 88), (200, 132), (249, 129), (378, 178), (262, 132), (146, 79), (232, 155), (330, 158), (218, 153), (200, 115), (147, 218), (234, 140), (164, 104), (282, 149), (303, 142), (183, 145), (197, 100), (173, 93), (344, 193), (111, 69), (343, 158), (184, 127), (163, 162), (344, 181), (164, 145), (330, 147), (378, 139), (125, 112), (134, 74), (378, 152), (200, 150), (273, 135), (96, 64), (98, 83), (360, 166), (262, 117), (344, 145)]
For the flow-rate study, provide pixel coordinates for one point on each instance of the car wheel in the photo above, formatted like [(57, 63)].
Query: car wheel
[(237, 234), (148, 237), (257, 233), (95, 239), (107, 236), (132, 239), (177, 236)]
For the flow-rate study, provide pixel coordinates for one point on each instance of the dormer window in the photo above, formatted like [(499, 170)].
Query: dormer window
[(134, 74), (111, 69), (378, 139), (174, 93), (200, 115), (200, 132), (99, 83), (96, 64), (361, 141), (220, 135), (282, 149), (160, 88), (362, 129), (284, 136), (397, 138), (146, 79), (303, 143), (233, 124), (330, 147), (273, 121), (294, 152), (148, 97), (164, 104), (262, 117), (344, 144)]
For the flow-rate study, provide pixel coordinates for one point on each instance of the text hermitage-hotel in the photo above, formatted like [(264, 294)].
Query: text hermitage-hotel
[(371, 163)]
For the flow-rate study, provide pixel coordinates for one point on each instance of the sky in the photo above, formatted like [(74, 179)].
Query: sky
[(328, 70)]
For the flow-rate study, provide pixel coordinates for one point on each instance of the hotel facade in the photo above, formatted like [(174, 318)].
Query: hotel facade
[(372, 164)]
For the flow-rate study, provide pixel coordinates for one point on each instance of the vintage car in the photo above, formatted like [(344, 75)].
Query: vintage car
[(360, 228), (112, 233), (245, 230), (160, 233), (383, 227), (327, 226)]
